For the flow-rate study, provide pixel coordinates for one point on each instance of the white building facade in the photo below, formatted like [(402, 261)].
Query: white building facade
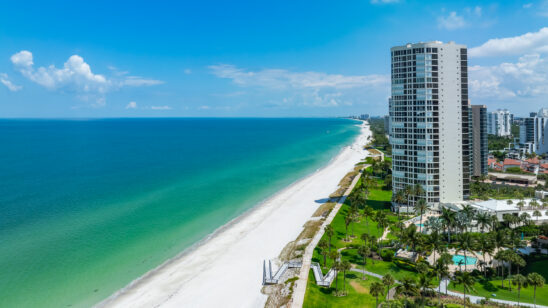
[(533, 132), (429, 123), (499, 122)]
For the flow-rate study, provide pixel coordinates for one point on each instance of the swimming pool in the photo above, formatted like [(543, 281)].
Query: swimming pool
[(465, 261), (420, 225)]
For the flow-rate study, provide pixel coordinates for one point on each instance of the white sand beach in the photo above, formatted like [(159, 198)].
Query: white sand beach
[(226, 270)]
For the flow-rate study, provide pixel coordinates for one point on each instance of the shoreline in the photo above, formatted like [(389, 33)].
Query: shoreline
[(227, 262)]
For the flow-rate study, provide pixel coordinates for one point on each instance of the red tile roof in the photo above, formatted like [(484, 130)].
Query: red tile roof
[(511, 162)]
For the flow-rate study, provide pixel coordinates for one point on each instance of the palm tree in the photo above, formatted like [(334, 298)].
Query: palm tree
[(520, 281), (483, 220), (424, 283), (421, 206), (537, 214), (336, 267), (364, 252), (435, 242), (520, 205), (400, 199), (376, 289), (323, 246), (367, 214), (467, 281), (418, 191), (509, 202), (441, 269), (334, 255), (536, 280), (388, 280), (408, 192), (365, 237), (502, 256), (533, 203), (407, 286), (466, 245), (433, 224), (329, 231), (486, 246), (347, 221), (468, 212), (344, 266), (448, 217)]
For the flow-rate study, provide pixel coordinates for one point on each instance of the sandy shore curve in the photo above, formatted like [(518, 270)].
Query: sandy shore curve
[(226, 270)]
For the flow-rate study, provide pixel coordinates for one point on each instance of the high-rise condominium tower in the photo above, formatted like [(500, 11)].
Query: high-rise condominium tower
[(478, 140), (429, 121), (500, 122)]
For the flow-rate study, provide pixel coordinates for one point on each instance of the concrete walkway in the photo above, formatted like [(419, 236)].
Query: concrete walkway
[(300, 284)]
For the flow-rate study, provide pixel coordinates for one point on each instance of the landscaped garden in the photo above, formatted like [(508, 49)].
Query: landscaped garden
[(365, 235)]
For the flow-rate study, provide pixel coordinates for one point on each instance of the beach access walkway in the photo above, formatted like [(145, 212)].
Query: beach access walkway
[(300, 284), (268, 278), (321, 280)]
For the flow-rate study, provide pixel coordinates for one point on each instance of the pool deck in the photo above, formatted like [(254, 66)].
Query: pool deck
[(469, 267)]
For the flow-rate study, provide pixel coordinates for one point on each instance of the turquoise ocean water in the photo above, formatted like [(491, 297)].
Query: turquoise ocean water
[(87, 206)]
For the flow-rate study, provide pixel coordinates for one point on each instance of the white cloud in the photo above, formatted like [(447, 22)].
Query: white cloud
[(452, 21), (75, 76), (531, 42), (136, 81), (316, 89), (5, 81), (283, 79), (204, 107), (188, 71), (160, 108), (527, 5), (528, 77), (131, 105)]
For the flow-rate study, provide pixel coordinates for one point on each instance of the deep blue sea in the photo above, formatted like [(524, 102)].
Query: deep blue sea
[(87, 206)]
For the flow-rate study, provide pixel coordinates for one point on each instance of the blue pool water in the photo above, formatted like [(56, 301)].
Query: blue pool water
[(466, 260)]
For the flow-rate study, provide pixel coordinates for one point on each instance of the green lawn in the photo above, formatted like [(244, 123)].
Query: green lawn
[(358, 293), (488, 288)]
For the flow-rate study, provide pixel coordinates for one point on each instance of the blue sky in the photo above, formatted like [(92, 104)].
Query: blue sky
[(253, 58)]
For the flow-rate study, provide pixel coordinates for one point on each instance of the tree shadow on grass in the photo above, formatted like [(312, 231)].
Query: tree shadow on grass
[(378, 205), (350, 275), (488, 286)]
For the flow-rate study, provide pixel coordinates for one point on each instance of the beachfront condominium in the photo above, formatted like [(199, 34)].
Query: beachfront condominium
[(499, 123), (429, 121), (533, 132), (478, 140)]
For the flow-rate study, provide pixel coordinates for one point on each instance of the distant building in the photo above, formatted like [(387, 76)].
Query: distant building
[(478, 140), (499, 122), (429, 121), (364, 117), (533, 132)]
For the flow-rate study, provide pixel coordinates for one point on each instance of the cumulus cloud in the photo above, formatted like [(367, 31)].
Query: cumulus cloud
[(531, 42), (131, 105), (75, 76), (305, 88), (451, 22), (528, 77), (4, 79)]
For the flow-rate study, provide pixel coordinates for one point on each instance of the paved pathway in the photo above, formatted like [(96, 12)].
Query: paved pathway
[(300, 289)]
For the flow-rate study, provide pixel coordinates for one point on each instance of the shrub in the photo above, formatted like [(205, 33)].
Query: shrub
[(387, 254)]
